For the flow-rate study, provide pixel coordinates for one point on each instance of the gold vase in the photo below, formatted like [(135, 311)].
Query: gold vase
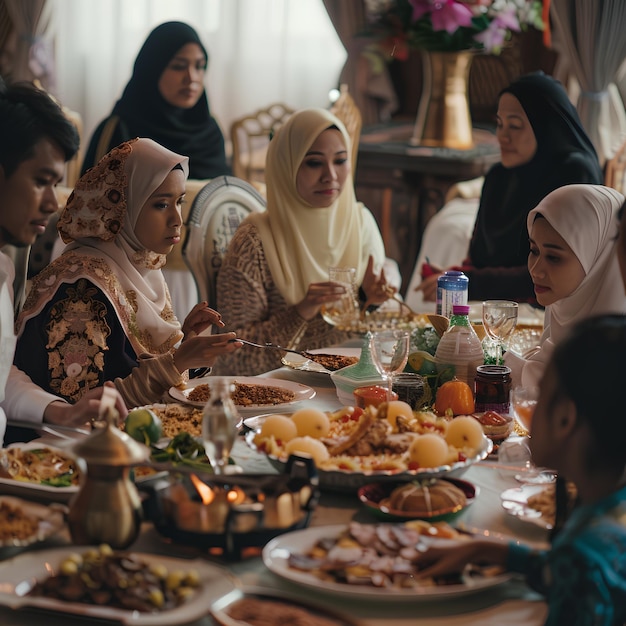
[(443, 117)]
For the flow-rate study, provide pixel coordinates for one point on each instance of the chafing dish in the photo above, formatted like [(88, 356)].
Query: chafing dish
[(228, 513)]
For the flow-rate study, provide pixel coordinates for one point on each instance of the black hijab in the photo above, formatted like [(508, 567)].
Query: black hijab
[(145, 113), (564, 155)]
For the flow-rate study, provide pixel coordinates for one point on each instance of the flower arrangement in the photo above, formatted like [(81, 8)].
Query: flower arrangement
[(451, 25)]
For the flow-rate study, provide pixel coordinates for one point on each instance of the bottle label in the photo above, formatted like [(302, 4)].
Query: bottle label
[(451, 290), (450, 298)]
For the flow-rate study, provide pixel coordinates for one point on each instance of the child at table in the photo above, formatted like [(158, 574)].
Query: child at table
[(578, 429)]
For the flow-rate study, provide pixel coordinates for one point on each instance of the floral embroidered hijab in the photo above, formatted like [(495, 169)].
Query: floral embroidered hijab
[(98, 223)]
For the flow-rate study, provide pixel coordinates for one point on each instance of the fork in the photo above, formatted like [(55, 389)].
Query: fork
[(271, 346)]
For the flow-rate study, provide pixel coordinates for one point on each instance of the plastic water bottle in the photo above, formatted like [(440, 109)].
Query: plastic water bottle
[(452, 289), (460, 346)]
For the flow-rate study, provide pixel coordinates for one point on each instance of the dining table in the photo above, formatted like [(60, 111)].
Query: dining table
[(511, 602)]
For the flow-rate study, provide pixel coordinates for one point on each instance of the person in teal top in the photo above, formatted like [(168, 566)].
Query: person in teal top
[(579, 430)]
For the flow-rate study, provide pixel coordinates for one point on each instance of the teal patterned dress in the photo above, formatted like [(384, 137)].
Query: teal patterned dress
[(583, 576)]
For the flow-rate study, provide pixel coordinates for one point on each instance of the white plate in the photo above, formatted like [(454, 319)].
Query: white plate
[(46, 493), (515, 502), (276, 554), (301, 363), (51, 520), (302, 392), (36, 491), (18, 575), (219, 610), (256, 421)]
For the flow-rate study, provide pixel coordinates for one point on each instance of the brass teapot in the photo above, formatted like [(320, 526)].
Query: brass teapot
[(107, 507)]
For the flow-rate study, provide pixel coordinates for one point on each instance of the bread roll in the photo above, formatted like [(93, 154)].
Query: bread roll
[(426, 498)]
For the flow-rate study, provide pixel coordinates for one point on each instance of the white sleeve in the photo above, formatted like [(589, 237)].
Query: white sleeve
[(528, 371), (24, 401)]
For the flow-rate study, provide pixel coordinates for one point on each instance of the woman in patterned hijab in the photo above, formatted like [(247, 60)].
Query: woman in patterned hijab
[(102, 310)]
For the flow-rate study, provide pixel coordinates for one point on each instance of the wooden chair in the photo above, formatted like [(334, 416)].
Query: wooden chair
[(347, 111), (216, 213), (250, 136)]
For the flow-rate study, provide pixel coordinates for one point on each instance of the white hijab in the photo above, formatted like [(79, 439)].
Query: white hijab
[(586, 217), (301, 243), (99, 222)]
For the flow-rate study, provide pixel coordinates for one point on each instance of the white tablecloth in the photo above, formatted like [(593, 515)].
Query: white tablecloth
[(512, 603)]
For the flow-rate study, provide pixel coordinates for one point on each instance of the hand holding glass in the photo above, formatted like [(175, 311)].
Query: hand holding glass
[(390, 351), (344, 310), (499, 321)]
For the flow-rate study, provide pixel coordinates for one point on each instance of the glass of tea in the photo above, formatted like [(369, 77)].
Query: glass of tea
[(523, 404)]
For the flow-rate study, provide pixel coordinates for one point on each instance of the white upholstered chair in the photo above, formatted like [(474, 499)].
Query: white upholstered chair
[(215, 214)]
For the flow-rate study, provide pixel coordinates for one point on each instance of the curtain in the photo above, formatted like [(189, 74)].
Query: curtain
[(367, 77), (33, 59), (591, 35), (260, 52)]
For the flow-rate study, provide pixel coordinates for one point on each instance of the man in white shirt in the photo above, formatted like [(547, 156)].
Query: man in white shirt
[(36, 140)]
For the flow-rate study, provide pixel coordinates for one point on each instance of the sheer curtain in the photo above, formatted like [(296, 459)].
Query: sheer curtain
[(592, 38), (32, 58), (261, 51), (371, 88)]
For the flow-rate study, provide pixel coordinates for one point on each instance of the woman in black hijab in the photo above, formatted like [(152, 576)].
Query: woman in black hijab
[(543, 146), (165, 100)]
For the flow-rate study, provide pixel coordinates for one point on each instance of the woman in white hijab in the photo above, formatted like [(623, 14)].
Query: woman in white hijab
[(274, 278), (102, 310), (574, 266)]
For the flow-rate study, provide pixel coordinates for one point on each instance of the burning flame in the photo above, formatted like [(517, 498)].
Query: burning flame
[(235, 495), (207, 495)]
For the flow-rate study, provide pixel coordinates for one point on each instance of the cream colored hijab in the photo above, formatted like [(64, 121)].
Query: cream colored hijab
[(99, 225), (586, 217), (300, 242)]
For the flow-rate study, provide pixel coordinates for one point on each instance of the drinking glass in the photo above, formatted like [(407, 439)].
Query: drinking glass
[(390, 351), (343, 311), (219, 425), (499, 321), (523, 404)]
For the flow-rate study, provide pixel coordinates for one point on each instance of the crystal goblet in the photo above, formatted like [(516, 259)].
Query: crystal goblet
[(390, 351), (499, 322)]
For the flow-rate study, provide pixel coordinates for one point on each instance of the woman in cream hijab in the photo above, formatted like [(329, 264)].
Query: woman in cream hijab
[(574, 266), (274, 278), (102, 310)]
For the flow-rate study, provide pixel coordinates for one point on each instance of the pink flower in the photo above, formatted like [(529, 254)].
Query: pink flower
[(507, 19), (446, 15), (497, 32)]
